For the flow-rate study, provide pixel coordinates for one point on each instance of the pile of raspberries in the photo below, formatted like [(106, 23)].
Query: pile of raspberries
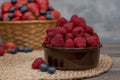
[(71, 34), (17, 10)]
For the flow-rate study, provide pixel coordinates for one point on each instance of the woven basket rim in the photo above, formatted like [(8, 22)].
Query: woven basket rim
[(32, 21)]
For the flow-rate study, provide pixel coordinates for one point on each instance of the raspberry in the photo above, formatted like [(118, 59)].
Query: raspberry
[(57, 41), (95, 34), (79, 42), (87, 35), (61, 21), (51, 34), (92, 41), (73, 18), (79, 22), (69, 36), (60, 30), (68, 27), (2, 51), (69, 43), (89, 30), (47, 40), (78, 31), (51, 29), (37, 63)]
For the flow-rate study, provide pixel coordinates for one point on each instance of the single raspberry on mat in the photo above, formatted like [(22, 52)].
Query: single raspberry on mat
[(69, 36), (57, 41), (92, 41), (78, 31), (79, 42), (60, 30), (68, 27), (89, 30), (37, 63), (69, 43), (61, 21)]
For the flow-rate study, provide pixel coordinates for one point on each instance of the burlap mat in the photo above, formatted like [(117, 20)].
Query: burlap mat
[(18, 67)]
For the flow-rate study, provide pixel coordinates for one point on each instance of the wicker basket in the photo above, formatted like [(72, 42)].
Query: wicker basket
[(25, 33)]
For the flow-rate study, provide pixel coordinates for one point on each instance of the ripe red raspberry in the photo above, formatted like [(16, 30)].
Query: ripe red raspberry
[(68, 27), (79, 42), (79, 22), (37, 63), (69, 43), (78, 31), (51, 34), (89, 30), (87, 35), (47, 40), (2, 51), (60, 30), (92, 41), (57, 41), (69, 36), (95, 34), (61, 21), (51, 29), (73, 17)]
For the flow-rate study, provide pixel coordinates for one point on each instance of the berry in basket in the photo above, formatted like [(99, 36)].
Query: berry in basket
[(71, 34), (16, 10)]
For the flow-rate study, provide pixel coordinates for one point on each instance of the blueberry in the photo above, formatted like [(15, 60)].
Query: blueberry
[(48, 12), (50, 9), (12, 9), (0, 17), (24, 9), (48, 16), (13, 51), (44, 67), (51, 70), (11, 15), (26, 50), (21, 49), (8, 19), (31, 1), (30, 49), (20, 6), (42, 12), (13, 1)]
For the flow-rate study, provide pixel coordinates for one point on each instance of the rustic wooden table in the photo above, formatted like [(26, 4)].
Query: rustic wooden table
[(112, 50)]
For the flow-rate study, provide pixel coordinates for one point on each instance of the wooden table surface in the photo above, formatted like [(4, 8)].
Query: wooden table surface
[(112, 50)]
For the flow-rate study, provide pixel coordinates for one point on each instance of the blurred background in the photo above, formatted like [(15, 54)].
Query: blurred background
[(102, 15)]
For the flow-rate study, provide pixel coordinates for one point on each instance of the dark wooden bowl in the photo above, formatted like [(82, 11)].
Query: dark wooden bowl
[(72, 58)]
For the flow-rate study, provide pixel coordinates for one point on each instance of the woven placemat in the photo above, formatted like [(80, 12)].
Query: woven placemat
[(18, 67)]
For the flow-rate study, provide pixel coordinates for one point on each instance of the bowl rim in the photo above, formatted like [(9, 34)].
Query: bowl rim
[(29, 21), (58, 48)]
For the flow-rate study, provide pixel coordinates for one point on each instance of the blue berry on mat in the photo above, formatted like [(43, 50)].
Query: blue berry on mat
[(21, 49), (26, 50), (44, 67), (51, 70), (30, 49), (13, 51)]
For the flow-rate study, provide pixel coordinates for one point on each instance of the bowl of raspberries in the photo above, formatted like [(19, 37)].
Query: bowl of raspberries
[(72, 45), (25, 21)]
